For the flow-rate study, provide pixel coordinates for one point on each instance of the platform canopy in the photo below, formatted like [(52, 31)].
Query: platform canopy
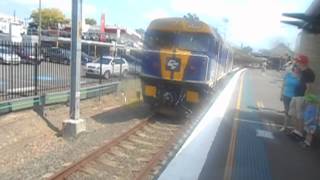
[(308, 21)]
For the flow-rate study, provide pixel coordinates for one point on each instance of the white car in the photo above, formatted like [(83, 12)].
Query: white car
[(7, 56), (110, 67)]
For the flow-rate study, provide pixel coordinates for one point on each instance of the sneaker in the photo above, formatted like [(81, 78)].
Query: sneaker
[(305, 144), (297, 133)]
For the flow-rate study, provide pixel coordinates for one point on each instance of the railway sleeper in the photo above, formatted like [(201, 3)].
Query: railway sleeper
[(163, 127), (151, 137), (131, 165), (79, 175), (111, 161), (143, 147), (147, 151), (100, 166), (142, 142), (116, 151), (107, 170), (140, 153), (127, 162), (127, 145), (89, 169), (153, 131), (155, 142)]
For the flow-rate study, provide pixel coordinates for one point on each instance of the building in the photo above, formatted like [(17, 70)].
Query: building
[(114, 33), (11, 28)]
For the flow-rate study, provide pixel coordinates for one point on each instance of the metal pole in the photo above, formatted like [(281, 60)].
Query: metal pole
[(39, 26), (75, 60), (35, 76)]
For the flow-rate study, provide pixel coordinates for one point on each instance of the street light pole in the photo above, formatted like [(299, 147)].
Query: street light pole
[(75, 57), (75, 125)]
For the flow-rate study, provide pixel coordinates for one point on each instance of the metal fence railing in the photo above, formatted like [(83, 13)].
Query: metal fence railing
[(29, 70)]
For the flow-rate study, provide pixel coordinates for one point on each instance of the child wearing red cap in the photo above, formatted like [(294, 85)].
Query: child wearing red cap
[(307, 75)]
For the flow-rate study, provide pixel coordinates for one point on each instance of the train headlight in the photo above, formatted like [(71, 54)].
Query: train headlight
[(150, 90), (193, 96)]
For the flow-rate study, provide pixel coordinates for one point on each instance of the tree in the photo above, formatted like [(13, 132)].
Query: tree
[(50, 17), (91, 21), (247, 49), (265, 52), (190, 16), (140, 31)]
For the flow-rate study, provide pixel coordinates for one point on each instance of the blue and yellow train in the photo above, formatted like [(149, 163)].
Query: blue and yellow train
[(182, 61)]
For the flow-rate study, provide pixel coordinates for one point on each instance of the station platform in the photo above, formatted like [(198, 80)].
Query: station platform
[(239, 138)]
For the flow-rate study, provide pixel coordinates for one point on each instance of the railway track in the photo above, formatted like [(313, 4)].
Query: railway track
[(136, 154)]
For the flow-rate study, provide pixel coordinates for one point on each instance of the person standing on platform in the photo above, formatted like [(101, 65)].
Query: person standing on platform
[(297, 104), (311, 118), (307, 75), (288, 91)]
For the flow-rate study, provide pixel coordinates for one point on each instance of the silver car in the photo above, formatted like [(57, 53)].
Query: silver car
[(7, 56)]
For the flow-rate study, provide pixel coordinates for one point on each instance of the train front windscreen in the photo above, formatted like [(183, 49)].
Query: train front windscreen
[(195, 42)]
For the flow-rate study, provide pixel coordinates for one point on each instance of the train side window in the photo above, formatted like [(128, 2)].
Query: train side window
[(214, 47)]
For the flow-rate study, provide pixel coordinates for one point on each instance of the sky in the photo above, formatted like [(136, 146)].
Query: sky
[(254, 23)]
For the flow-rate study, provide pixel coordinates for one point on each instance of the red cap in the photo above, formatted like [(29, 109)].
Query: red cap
[(302, 59)]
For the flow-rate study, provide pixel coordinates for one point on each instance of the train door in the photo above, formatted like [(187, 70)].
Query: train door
[(219, 61), (215, 60)]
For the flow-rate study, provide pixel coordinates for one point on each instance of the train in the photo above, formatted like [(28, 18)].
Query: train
[(182, 61)]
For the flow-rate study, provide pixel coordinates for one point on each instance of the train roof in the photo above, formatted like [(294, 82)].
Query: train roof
[(181, 25)]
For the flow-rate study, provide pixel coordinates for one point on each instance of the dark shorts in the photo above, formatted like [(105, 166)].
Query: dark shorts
[(286, 103)]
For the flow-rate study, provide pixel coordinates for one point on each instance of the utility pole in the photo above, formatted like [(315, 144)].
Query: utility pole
[(14, 16), (75, 125)]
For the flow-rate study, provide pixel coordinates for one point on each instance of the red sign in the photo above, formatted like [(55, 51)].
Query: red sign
[(102, 29)]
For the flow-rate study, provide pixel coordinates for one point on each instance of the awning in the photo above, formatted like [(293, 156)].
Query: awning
[(309, 21)]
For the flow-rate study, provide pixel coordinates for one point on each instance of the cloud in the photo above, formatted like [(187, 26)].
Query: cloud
[(214, 9), (155, 14), (251, 22), (89, 10), (64, 5)]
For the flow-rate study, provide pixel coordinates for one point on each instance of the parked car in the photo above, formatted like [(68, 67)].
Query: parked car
[(63, 56), (85, 58), (86, 36), (28, 55), (109, 66), (57, 55), (7, 56), (65, 34)]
